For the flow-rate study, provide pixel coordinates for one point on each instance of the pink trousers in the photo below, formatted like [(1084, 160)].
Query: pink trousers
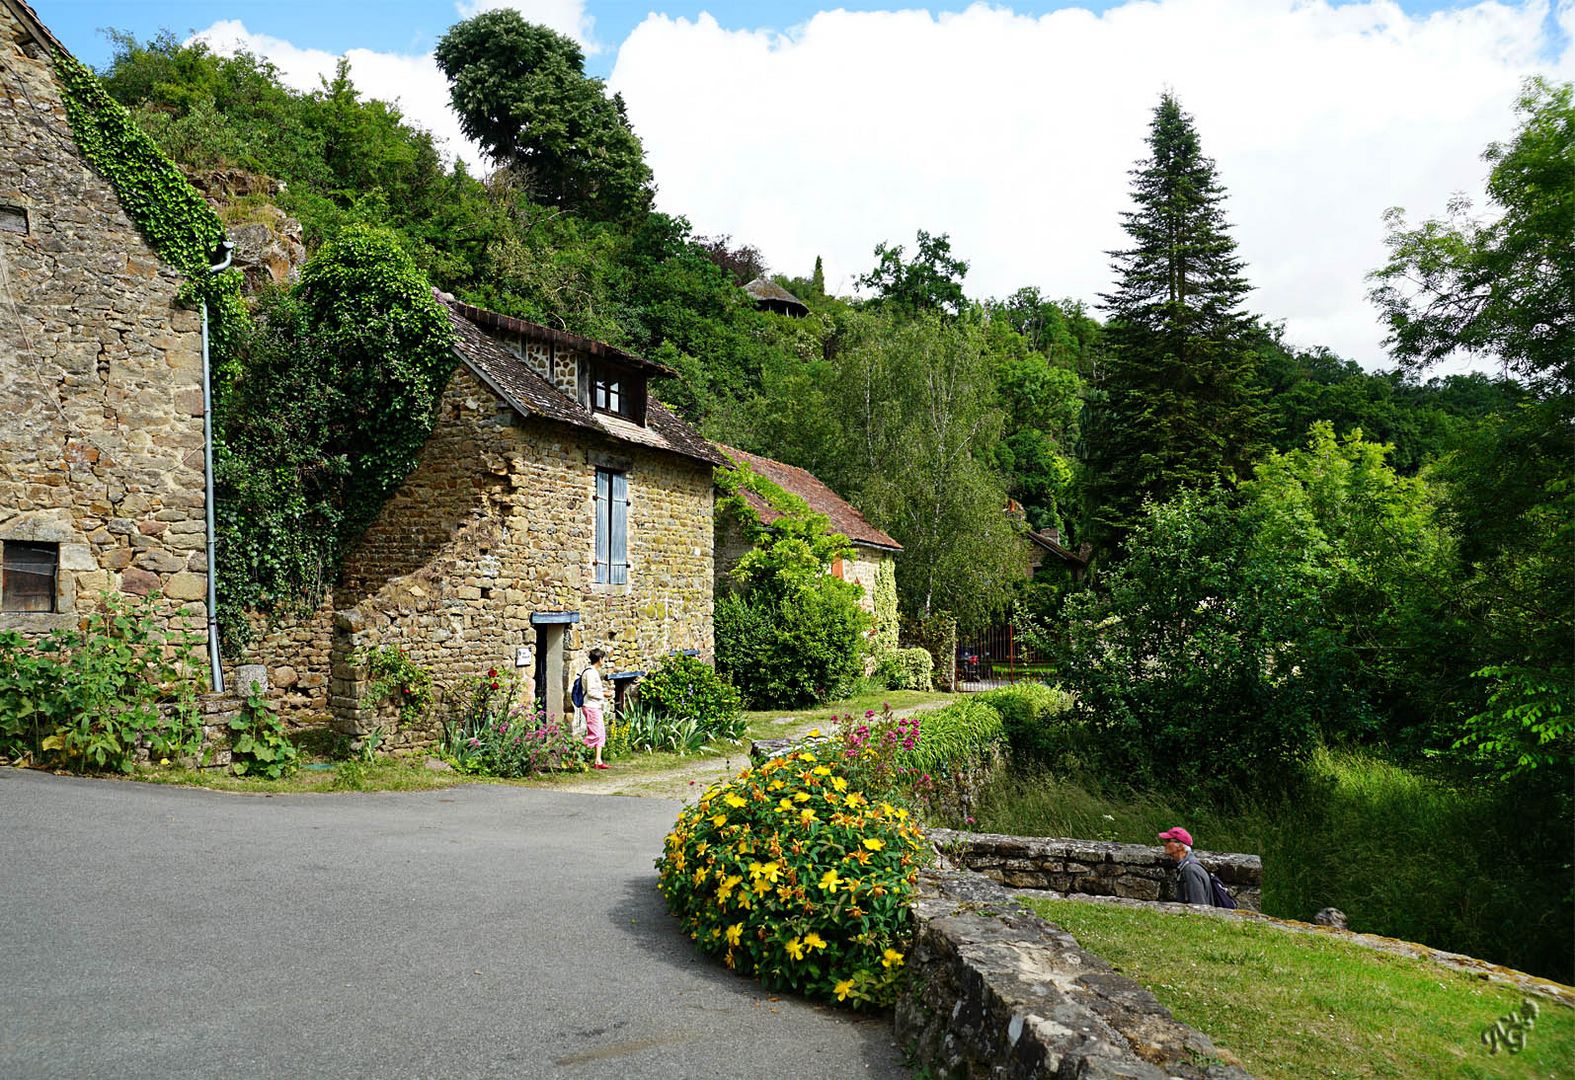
[(595, 731)]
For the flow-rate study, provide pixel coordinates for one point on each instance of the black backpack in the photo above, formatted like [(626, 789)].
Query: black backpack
[(1219, 893), (577, 695)]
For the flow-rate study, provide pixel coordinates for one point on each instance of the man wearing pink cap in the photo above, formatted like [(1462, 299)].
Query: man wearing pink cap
[(1192, 881)]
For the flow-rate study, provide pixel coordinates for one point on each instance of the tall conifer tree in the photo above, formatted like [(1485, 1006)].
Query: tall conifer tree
[(1174, 405)]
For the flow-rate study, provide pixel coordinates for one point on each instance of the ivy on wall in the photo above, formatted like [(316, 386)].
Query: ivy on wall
[(887, 624), (321, 404)]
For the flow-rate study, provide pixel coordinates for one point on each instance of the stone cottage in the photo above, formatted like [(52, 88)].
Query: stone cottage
[(101, 464), (872, 548), (557, 507)]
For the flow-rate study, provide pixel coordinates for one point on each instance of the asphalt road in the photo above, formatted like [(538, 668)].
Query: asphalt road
[(475, 932)]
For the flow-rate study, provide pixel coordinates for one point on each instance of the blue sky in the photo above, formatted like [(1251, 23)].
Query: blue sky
[(810, 130)]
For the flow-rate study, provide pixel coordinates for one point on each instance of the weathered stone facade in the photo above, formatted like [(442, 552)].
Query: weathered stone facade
[(100, 368), (484, 558), (862, 569)]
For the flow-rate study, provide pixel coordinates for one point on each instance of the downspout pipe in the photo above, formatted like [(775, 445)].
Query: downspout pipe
[(224, 253)]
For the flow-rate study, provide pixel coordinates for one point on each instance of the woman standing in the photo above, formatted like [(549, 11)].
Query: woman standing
[(595, 701)]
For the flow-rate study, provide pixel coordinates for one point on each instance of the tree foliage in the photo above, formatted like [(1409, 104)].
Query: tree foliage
[(521, 91), (931, 281), (1174, 404)]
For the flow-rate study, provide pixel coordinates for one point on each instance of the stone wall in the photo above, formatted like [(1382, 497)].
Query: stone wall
[(1092, 867), (494, 526), (862, 570), (998, 992), (298, 656), (100, 371)]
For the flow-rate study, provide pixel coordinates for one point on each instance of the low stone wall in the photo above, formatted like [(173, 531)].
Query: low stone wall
[(1093, 867), (999, 992), (216, 711)]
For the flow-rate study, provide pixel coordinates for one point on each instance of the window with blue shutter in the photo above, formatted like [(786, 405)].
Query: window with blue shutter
[(612, 528)]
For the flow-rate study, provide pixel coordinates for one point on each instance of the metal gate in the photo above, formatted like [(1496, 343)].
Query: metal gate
[(998, 657)]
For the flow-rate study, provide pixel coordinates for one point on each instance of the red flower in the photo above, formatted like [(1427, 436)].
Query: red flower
[(492, 673), (494, 686)]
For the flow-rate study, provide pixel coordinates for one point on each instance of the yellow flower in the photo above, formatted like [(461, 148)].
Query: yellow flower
[(807, 815), (719, 820), (164, 761), (777, 785), (734, 800), (840, 783), (813, 940), (829, 880), (768, 871), (814, 733), (874, 844), (843, 989), (855, 799), (724, 890), (891, 958), (795, 949), (806, 757), (785, 804), (821, 770), (801, 796), (734, 933)]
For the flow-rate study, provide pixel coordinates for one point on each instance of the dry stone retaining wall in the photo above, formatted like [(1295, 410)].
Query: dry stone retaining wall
[(998, 992), (1093, 867)]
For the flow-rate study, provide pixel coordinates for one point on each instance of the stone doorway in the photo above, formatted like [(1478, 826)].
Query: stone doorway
[(550, 685)]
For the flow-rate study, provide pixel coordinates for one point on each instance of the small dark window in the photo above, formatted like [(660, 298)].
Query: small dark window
[(612, 528), (13, 219), (27, 581), (619, 392)]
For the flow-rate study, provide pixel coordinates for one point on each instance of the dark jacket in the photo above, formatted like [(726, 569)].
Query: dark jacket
[(1192, 882)]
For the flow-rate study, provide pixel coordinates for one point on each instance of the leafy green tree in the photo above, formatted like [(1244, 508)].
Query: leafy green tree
[(1505, 288), (932, 281), (1174, 404), (521, 91)]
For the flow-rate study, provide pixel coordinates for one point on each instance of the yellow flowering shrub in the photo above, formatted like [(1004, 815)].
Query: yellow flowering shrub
[(790, 873)]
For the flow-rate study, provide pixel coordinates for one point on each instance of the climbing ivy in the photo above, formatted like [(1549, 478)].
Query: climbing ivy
[(174, 219), (886, 620)]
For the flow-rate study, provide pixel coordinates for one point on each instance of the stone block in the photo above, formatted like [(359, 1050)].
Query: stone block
[(251, 678), (187, 586)]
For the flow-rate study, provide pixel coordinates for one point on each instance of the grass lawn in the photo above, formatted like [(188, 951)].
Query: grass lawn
[(1295, 1005)]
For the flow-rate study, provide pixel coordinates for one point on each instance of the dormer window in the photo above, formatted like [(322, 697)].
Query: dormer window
[(616, 391)]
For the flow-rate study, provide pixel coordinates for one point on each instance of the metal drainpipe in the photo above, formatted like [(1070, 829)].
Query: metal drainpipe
[(215, 671)]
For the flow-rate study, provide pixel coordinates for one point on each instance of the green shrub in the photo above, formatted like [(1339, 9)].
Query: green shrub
[(790, 873), (398, 681), (88, 698), (259, 743), (906, 669), (796, 648), (957, 736), (646, 729), (687, 688), (1035, 717)]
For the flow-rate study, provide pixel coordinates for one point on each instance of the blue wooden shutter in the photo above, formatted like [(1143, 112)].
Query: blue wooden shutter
[(618, 556), (603, 532)]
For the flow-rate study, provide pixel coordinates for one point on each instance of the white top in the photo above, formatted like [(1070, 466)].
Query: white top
[(591, 682)]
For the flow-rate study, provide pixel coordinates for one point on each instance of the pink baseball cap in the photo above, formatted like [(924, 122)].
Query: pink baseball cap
[(1178, 834)]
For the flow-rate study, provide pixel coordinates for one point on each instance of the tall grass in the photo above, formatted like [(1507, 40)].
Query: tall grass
[(1482, 871)]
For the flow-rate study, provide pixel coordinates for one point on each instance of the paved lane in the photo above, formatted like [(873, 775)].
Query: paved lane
[(473, 932)]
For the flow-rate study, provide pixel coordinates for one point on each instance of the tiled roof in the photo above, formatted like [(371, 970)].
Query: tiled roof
[(531, 395), (844, 518), (24, 14), (491, 320)]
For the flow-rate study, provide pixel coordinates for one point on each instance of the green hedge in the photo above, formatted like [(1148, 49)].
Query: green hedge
[(906, 669), (1036, 721), (952, 737)]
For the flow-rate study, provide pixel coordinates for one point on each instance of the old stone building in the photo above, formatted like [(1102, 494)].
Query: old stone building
[(556, 508), (872, 549), (101, 481)]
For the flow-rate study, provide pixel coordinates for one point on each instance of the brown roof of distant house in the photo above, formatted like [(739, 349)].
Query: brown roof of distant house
[(844, 518), (765, 290), (492, 320), (531, 395)]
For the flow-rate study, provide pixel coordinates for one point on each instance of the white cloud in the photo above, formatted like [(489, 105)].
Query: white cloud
[(1014, 134), (412, 82), (568, 17)]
